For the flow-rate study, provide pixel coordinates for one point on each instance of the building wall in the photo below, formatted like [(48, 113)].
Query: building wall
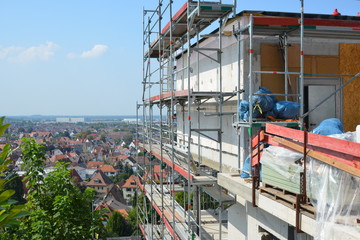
[(330, 58), (126, 193), (102, 191), (249, 223)]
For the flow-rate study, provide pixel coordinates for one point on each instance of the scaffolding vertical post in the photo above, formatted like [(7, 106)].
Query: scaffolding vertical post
[(189, 23), (220, 120), (172, 118), (251, 52), (238, 38), (137, 187), (197, 192), (286, 75), (161, 80), (301, 83)]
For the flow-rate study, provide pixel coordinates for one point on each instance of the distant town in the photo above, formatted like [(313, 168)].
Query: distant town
[(101, 153)]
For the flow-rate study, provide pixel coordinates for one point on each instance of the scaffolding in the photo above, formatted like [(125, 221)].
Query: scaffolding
[(267, 24), (174, 167), (168, 148)]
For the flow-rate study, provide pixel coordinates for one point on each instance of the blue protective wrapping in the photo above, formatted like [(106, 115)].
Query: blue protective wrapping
[(246, 168), (266, 102), (285, 110), (329, 126)]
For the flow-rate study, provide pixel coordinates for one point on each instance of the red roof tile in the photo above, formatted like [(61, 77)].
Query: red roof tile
[(108, 168), (94, 164), (131, 179), (99, 179)]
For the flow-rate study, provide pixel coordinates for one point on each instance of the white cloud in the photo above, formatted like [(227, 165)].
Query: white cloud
[(6, 52), (42, 52), (96, 51)]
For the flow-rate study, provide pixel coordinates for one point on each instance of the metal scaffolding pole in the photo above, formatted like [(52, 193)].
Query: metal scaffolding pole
[(172, 118), (189, 26), (160, 60), (220, 102), (301, 84), (286, 67), (251, 53)]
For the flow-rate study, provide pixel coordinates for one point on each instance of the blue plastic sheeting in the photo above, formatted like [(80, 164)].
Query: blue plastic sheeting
[(244, 109), (285, 110), (329, 126), (266, 102), (246, 169)]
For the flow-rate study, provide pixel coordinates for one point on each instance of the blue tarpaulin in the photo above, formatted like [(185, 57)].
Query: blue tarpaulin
[(285, 110), (329, 126)]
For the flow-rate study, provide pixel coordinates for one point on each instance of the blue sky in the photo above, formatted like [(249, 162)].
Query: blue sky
[(84, 57)]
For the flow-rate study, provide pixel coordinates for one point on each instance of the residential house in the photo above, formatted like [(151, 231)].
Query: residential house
[(59, 158), (125, 152), (129, 188), (109, 170), (101, 183), (113, 206), (94, 165)]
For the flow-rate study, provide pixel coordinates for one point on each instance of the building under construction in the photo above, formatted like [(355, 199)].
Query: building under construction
[(225, 164)]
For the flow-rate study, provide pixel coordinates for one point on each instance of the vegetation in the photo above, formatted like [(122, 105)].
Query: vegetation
[(83, 134), (118, 226), (126, 172), (9, 211), (58, 209), (54, 207)]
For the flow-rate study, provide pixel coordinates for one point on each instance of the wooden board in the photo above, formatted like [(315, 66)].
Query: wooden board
[(319, 156), (350, 64), (271, 60), (347, 147)]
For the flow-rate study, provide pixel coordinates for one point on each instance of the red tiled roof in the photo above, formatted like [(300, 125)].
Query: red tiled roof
[(124, 150), (72, 154), (94, 164), (123, 212), (120, 157), (59, 157), (130, 180), (99, 179), (108, 168)]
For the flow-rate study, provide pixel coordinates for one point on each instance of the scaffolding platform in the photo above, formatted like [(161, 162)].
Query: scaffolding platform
[(181, 167), (149, 230), (262, 123), (184, 94), (223, 197), (202, 14)]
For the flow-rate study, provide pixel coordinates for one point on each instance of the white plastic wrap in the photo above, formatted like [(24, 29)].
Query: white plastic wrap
[(336, 196), (348, 136), (283, 161)]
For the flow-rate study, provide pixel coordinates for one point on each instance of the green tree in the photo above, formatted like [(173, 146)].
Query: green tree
[(58, 209), (118, 226), (103, 137), (9, 212), (117, 140), (15, 183), (128, 139)]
